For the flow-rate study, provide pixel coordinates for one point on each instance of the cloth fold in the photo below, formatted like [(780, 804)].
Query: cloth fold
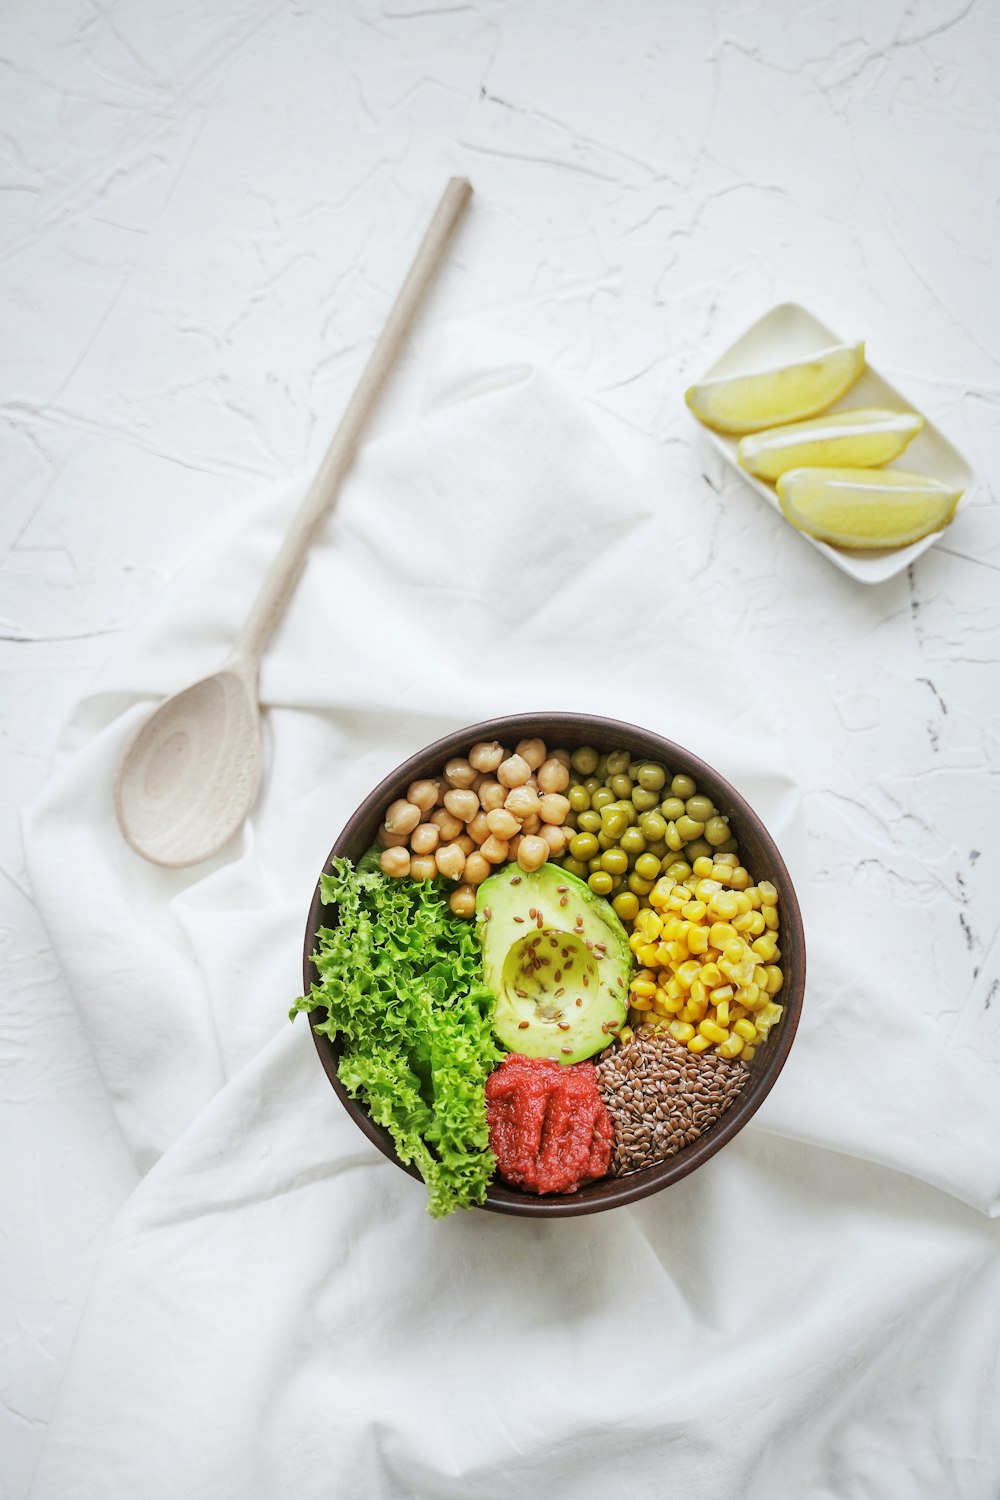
[(275, 1313)]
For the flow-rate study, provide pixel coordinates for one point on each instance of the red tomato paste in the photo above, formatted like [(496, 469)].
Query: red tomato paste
[(549, 1128)]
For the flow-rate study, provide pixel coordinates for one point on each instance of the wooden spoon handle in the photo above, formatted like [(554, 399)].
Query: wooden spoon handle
[(284, 572)]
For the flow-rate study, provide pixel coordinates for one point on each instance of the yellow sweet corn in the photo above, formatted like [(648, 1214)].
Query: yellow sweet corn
[(713, 1032), (746, 1029), (699, 1044)]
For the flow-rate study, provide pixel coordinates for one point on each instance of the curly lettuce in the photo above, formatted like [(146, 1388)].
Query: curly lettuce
[(400, 982)]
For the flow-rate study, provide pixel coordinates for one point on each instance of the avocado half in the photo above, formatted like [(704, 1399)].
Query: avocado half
[(557, 959)]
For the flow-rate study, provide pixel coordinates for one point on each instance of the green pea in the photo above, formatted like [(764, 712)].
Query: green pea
[(593, 784), (617, 761), (672, 808), (600, 798), (627, 906), (716, 832), (583, 846), (651, 777), (639, 886), (621, 785), (615, 861), (689, 829), (617, 881), (602, 769), (613, 821), (657, 847), (584, 760), (600, 883), (593, 865), (606, 840), (653, 825), (579, 798), (575, 867), (679, 871), (627, 806), (590, 822), (682, 786), (643, 801), (700, 808), (729, 847), (632, 841), (696, 850), (648, 866)]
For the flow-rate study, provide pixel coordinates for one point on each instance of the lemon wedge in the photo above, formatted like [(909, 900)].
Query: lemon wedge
[(865, 508), (849, 439), (747, 403)]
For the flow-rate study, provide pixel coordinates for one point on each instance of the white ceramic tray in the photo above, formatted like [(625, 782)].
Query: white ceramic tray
[(790, 332)]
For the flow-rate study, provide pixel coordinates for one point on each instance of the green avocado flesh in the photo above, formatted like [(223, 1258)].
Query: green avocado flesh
[(560, 976)]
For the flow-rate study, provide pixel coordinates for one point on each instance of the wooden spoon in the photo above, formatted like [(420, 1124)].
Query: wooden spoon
[(189, 777)]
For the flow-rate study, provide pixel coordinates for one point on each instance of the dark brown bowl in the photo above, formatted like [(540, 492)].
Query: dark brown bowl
[(758, 852)]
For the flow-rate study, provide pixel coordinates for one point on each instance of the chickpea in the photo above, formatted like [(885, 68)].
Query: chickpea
[(532, 853), (533, 751), (459, 772), (467, 845), (513, 772), (447, 825), (502, 823), (425, 838), (391, 840), (553, 776), (491, 794), (477, 869), (423, 794), (514, 845), (480, 828), (553, 808), (462, 803), (556, 838), (487, 755), (494, 849), (423, 867), (521, 801), (402, 816), (395, 862), (531, 824), (450, 862), (463, 901)]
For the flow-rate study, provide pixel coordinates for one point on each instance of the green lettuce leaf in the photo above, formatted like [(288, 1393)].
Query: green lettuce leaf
[(400, 981)]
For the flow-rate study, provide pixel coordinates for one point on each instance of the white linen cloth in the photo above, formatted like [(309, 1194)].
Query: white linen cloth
[(812, 1314)]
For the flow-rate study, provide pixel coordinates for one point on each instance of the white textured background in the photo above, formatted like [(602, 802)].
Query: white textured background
[(205, 209)]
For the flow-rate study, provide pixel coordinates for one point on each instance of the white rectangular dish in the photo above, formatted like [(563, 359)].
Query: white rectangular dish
[(790, 332)]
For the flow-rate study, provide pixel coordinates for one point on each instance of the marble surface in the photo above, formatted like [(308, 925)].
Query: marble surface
[(203, 217)]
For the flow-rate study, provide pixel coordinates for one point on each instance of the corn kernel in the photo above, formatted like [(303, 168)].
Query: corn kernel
[(720, 933), (677, 900), (681, 1031), (636, 941), (726, 859), (705, 889), (699, 1044), (646, 955), (675, 1005), (698, 991), (744, 922), (736, 1011), (676, 953), (721, 873), (673, 930), (751, 996), (775, 979), (713, 1032), (694, 911), (694, 1010), (748, 1051), (731, 1047), (754, 895), (771, 918), (642, 1002), (710, 975), (645, 988), (768, 894), (661, 890), (702, 867), (722, 1013), (688, 973), (648, 923), (743, 902), (764, 947), (741, 879), (674, 988), (626, 1034), (746, 1029), (697, 940), (659, 1009)]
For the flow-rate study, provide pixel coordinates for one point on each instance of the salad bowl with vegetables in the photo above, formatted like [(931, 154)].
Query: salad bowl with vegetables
[(553, 963)]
